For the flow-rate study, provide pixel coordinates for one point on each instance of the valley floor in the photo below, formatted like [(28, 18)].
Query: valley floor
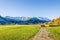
[(29, 32)]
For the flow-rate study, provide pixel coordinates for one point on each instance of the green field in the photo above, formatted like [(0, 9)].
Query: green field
[(17, 32), (55, 31)]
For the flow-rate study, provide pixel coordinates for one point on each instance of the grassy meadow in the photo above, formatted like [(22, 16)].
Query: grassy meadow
[(18, 32), (55, 32)]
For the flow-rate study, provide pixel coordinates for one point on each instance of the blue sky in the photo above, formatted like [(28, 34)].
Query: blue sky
[(30, 8)]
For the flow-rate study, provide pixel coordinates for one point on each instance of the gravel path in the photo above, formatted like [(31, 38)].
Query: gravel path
[(43, 34)]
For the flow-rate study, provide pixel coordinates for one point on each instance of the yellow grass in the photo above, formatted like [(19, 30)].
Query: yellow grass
[(18, 32)]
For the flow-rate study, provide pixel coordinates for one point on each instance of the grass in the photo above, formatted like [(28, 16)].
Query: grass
[(17, 32), (55, 31)]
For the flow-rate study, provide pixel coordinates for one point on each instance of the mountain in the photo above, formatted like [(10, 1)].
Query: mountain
[(18, 18), (22, 20), (36, 20), (14, 20), (2, 20), (42, 18)]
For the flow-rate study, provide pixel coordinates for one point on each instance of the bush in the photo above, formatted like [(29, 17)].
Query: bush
[(42, 25)]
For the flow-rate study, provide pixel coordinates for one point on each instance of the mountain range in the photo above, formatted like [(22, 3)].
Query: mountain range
[(23, 20)]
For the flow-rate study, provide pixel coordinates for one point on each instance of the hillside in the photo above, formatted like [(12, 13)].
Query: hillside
[(55, 21)]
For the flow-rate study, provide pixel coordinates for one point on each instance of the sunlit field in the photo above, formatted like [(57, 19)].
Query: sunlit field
[(18, 32), (55, 31)]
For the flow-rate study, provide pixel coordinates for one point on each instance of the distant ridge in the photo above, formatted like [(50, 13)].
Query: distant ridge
[(22, 20)]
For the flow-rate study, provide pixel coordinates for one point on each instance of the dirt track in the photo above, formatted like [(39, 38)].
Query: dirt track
[(43, 34)]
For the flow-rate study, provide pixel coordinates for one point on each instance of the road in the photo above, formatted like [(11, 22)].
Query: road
[(43, 34)]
